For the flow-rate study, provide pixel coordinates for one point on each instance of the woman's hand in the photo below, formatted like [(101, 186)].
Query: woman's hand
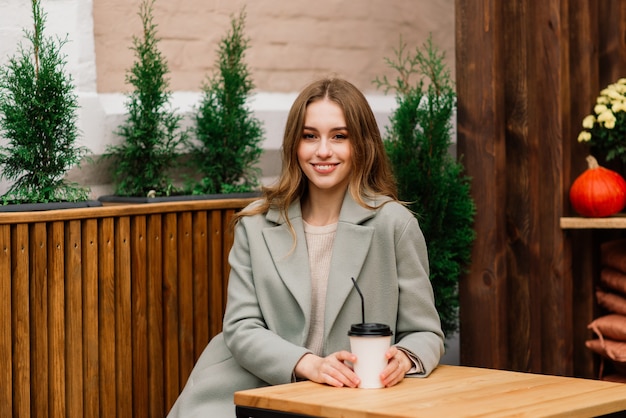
[(398, 364), (330, 370)]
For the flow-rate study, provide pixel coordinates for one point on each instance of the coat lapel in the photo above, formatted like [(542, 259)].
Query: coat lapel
[(292, 263), (350, 249)]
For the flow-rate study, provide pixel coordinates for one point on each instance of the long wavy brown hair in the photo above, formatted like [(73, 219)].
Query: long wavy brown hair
[(371, 170)]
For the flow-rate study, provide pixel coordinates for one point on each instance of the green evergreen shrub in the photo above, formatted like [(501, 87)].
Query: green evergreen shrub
[(429, 178), (228, 136), (152, 136), (38, 121)]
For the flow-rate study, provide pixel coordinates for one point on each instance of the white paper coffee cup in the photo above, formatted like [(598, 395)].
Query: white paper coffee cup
[(369, 342)]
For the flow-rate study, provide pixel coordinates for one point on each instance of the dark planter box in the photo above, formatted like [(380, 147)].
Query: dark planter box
[(29, 207), (177, 198)]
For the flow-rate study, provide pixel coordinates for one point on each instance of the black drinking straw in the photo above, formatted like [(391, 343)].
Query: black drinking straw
[(362, 300)]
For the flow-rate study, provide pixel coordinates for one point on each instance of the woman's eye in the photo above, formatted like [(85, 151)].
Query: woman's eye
[(341, 136), (308, 136)]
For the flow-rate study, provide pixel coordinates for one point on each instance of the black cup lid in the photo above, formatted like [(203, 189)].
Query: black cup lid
[(370, 329)]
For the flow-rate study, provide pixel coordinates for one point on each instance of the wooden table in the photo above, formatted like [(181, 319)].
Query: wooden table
[(450, 391)]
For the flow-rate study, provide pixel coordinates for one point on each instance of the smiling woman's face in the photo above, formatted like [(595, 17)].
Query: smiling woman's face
[(324, 151)]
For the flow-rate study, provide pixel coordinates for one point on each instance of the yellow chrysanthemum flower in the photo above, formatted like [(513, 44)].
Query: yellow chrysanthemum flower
[(619, 107), (600, 109), (622, 81), (614, 95), (606, 116), (584, 136), (589, 121), (609, 124)]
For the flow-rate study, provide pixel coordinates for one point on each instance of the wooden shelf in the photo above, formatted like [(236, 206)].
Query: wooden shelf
[(612, 222)]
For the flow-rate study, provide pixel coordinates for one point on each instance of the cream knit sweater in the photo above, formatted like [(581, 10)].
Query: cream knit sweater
[(319, 240)]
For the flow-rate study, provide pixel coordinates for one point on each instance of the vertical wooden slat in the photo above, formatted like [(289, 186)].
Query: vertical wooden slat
[(583, 86), (201, 327), (185, 296), (74, 319), (20, 296), (521, 176), (480, 137), (56, 319), (6, 326), (39, 320), (123, 331), (155, 315), (216, 293), (171, 360), (106, 316), (551, 292), (583, 283), (91, 360), (611, 40), (139, 290)]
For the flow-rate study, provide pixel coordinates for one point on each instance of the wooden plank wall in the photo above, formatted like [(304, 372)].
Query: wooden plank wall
[(527, 73), (104, 313)]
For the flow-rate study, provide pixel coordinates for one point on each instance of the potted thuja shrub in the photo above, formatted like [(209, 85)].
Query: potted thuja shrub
[(38, 125), (432, 180), (227, 136), (142, 165)]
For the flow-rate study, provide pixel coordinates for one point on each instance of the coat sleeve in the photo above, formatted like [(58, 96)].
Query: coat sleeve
[(418, 325), (261, 351)]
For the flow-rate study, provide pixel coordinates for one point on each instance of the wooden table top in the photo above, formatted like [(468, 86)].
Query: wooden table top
[(450, 391)]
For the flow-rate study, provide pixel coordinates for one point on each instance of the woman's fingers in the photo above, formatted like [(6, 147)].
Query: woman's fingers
[(335, 370), (397, 366)]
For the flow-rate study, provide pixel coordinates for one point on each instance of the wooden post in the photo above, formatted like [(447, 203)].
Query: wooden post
[(527, 73)]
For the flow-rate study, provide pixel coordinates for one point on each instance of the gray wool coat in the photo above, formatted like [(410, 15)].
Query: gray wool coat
[(269, 301)]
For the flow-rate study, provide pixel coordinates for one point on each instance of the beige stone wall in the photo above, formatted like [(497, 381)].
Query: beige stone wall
[(291, 41)]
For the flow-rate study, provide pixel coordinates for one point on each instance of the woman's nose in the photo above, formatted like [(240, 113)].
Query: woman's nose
[(324, 149)]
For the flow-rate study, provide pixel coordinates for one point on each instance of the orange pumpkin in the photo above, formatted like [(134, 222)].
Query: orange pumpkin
[(598, 192)]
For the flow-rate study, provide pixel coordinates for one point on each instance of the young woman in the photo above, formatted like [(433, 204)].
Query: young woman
[(333, 215)]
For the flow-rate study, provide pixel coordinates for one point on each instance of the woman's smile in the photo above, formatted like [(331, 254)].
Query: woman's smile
[(324, 168)]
